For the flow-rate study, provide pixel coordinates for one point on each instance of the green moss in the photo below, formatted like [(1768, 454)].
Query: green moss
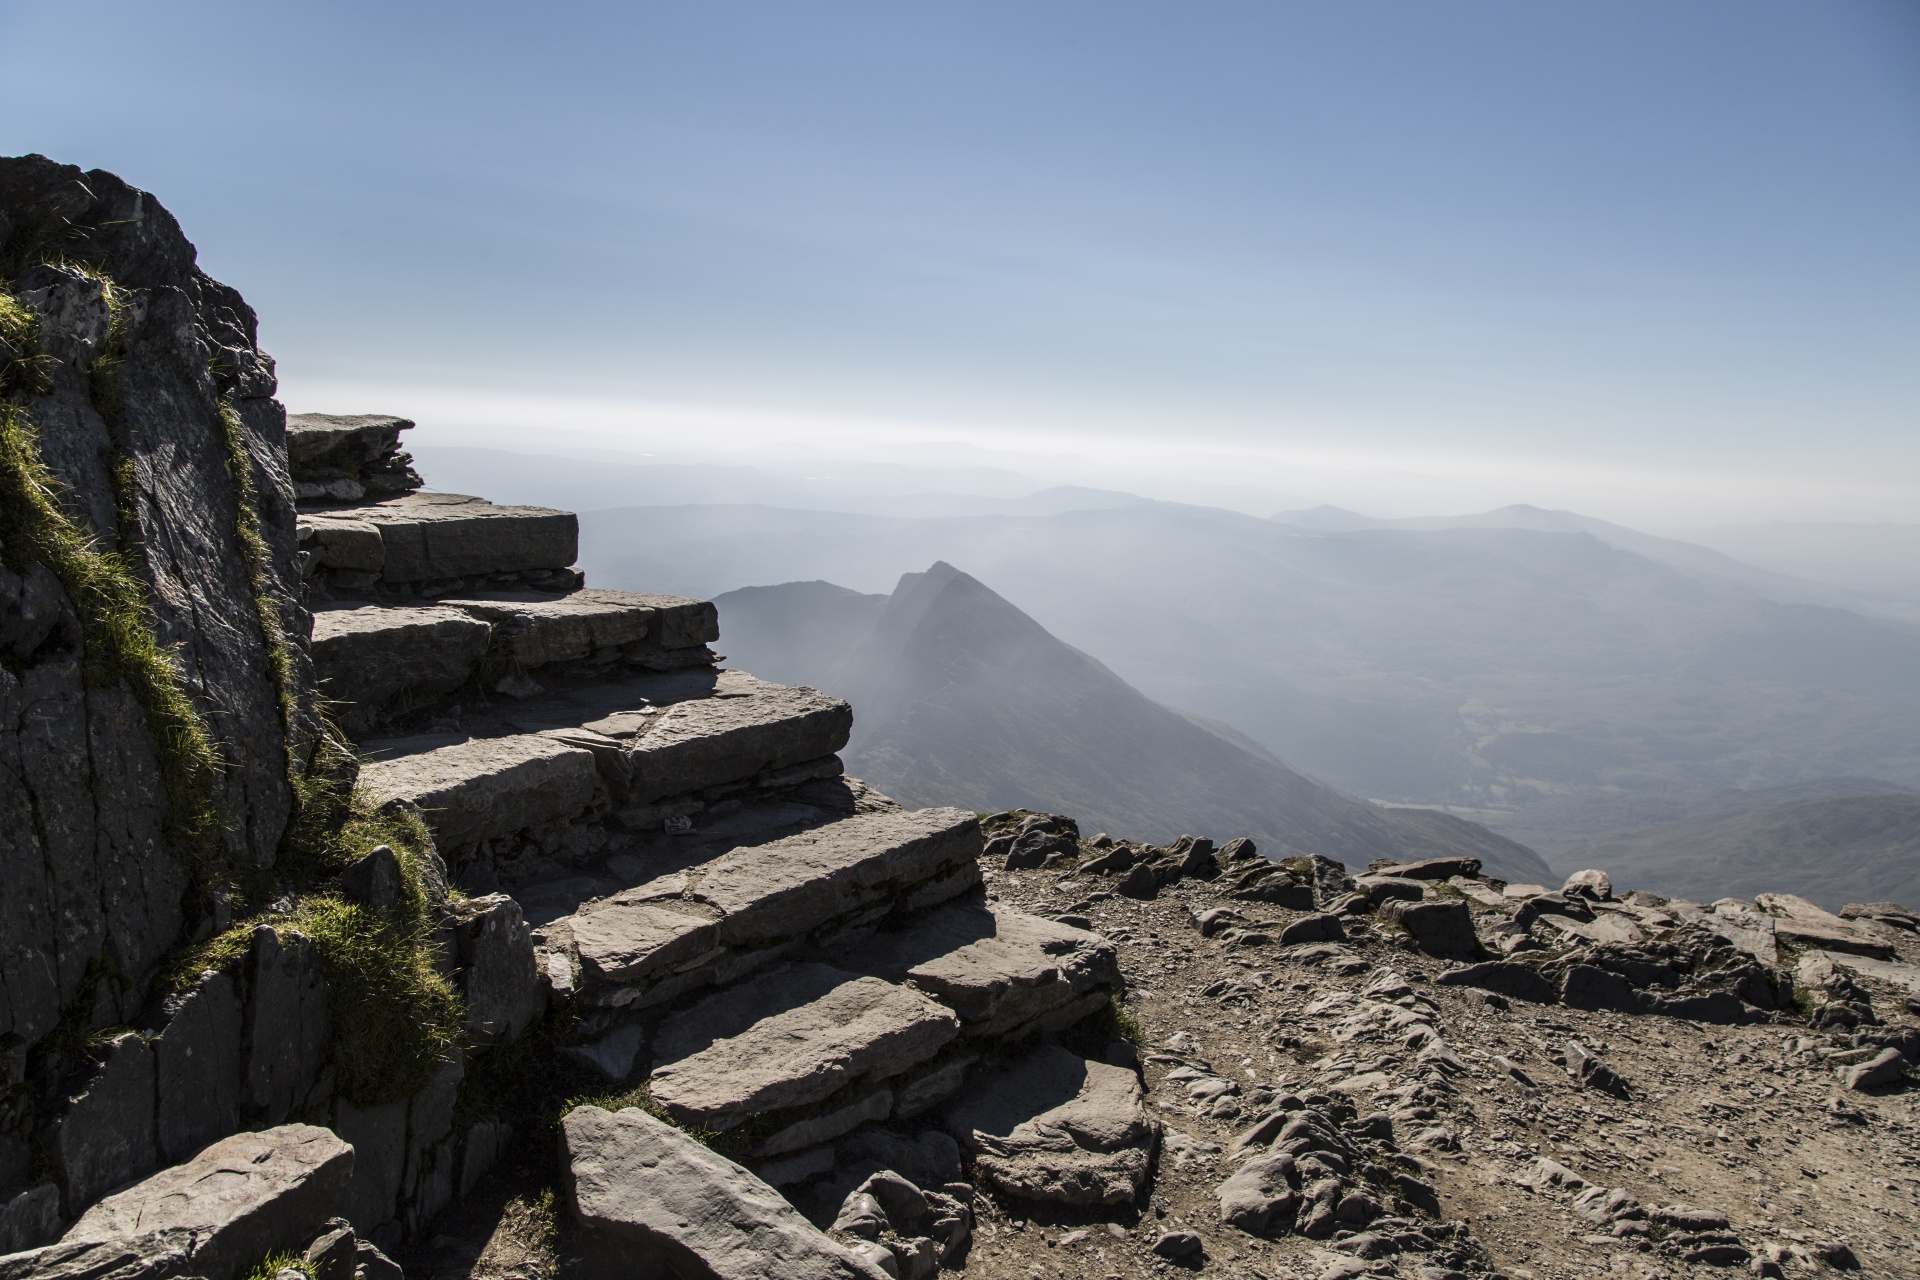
[(118, 637)]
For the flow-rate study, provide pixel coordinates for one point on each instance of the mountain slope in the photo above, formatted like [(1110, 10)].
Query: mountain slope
[(960, 697), (1834, 851)]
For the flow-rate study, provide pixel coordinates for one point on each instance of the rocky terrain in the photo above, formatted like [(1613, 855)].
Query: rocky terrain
[(382, 899)]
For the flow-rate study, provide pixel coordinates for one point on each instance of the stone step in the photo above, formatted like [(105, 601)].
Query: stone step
[(1005, 973), (721, 919), (343, 457), (791, 1038), (377, 662), (640, 749), (434, 544)]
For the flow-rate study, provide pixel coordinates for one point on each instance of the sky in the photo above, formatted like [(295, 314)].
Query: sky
[(1652, 260)]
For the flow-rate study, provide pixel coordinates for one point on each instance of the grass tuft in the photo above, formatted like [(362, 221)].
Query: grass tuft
[(276, 1262), (24, 369)]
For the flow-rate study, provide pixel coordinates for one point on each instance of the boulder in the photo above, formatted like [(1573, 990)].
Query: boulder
[(1379, 888), (240, 1199), (1314, 928), (1057, 1128), (1505, 977), (29, 1218), (1884, 1068), (1440, 928), (1429, 869), (648, 1198), (1597, 885)]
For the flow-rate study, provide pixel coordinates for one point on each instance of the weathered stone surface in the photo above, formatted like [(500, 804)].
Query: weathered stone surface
[(197, 1068), (1443, 928), (711, 741), (1597, 885), (346, 456), (238, 1200), (532, 629), (437, 536), (1002, 971), (86, 877), (287, 1025), (484, 787), (106, 1137), (378, 1136), (1058, 1128), (788, 1037), (30, 1218), (1429, 869), (1260, 1197), (1884, 1068), (1505, 977), (1806, 924), (372, 660), (1313, 928), (651, 1199), (499, 975), (1379, 889)]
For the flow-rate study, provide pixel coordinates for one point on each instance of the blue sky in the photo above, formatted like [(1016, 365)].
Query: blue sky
[(1668, 247)]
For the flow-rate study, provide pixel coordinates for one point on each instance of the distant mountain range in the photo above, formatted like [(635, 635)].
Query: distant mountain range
[(960, 698)]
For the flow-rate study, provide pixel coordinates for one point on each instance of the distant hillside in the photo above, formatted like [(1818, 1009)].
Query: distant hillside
[(1863, 848), (960, 698)]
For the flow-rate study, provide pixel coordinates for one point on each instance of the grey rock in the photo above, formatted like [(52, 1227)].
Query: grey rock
[(861, 1216), (1588, 987), (1505, 977), (1260, 1197), (197, 1068), (486, 1141), (499, 973), (362, 448), (378, 1136), (334, 1252), (1589, 1069), (1441, 928), (1141, 882), (435, 537), (710, 741), (1314, 928), (531, 629), (485, 787), (374, 880), (1003, 972), (929, 1158), (1057, 1128), (372, 1264), (1428, 868), (287, 1024), (1379, 889), (240, 1199), (647, 1195), (30, 1218), (106, 1137), (789, 1037), (1597, 885), (372, 661), (1884, 1068), (1178, 1246), (612, 1055)]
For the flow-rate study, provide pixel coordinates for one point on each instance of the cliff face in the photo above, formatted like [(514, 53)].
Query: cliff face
[(146, 511)]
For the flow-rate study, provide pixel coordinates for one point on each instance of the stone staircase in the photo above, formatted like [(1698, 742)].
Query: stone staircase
[(778, 952)]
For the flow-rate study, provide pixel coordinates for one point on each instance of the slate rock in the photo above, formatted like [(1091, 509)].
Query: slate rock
[(334, 1253), (1589, 1069), (1504, 977), (1440, 928), (1597, 885), (1314, 928), (1141, 882), (1178, 1246), (106, 1137), (1885, 1068), (1260, 1197), (373, 881), (1054, 1127), (197, 1068), (1429, 869), (499, 974), (649, 1197), (30, 1218), (240, 1199), (287, 1027), (789, 1037)]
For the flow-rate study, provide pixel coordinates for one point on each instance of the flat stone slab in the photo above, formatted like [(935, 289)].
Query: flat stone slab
[(533, 628), (726, 738), (1058, 1128), (428, 536), (1002, 971), (1807, 924), (652, 1200), (476, 789), (369, 658), (727, 915), (791, 1036), (237, 1201)]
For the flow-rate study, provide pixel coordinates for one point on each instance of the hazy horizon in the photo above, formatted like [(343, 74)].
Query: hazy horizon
[(1647, 262)]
